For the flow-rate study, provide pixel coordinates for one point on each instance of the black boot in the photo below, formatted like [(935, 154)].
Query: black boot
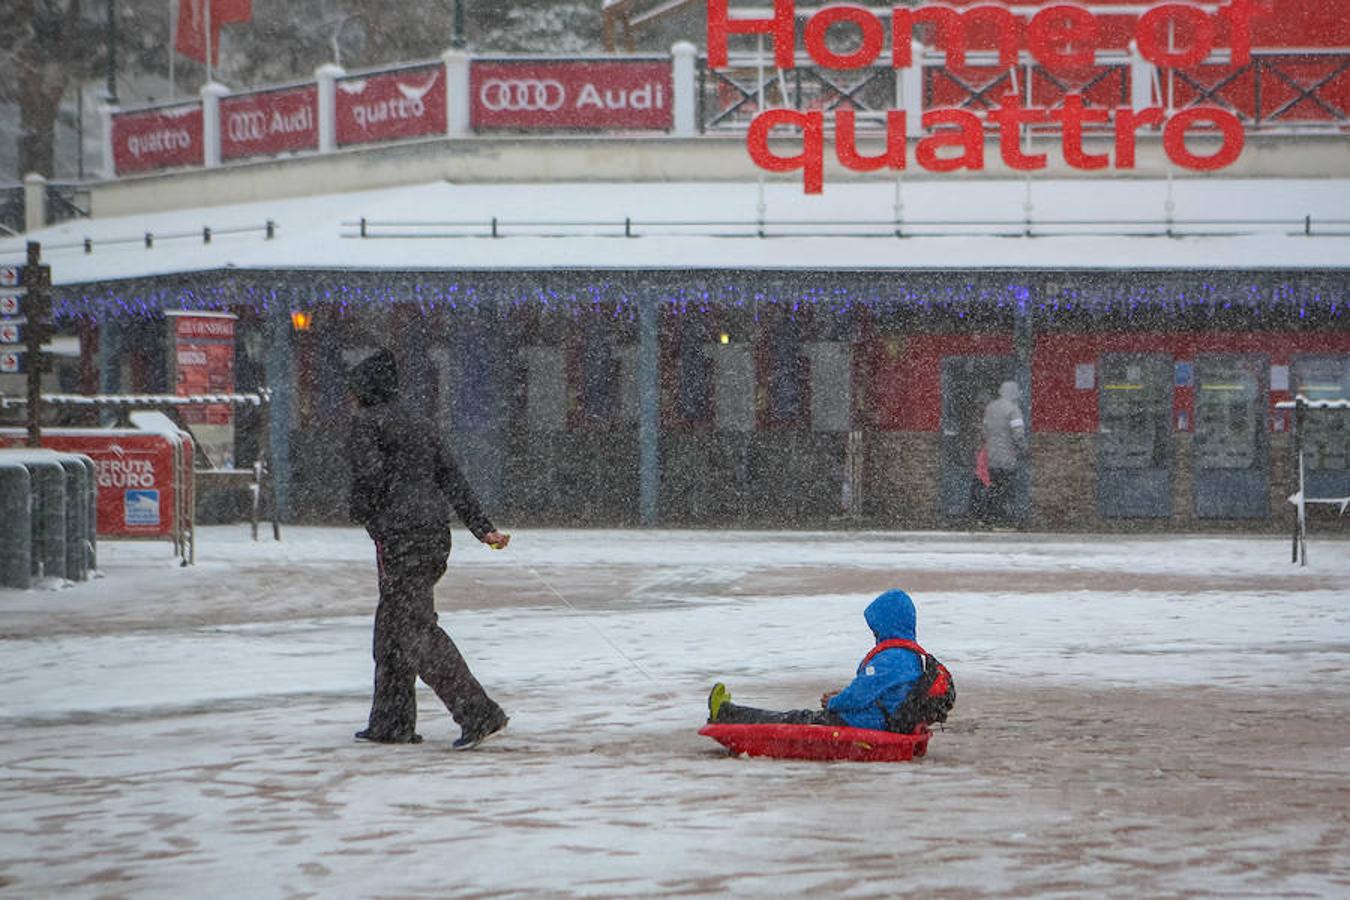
[(480, 728)]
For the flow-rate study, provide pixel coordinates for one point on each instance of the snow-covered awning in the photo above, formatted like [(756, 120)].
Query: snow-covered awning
[(963, 225)]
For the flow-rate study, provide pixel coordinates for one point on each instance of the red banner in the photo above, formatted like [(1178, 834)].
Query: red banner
[(617, 95), (157, 138), (203, 346), (391, 105), (269, 122), (134, 472)]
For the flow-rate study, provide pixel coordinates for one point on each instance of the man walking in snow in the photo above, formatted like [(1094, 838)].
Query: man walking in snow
[(404, 485), (1006, 442)]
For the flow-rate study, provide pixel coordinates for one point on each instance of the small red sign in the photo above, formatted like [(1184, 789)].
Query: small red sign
[(267, 123), (390, 105), (157, 139), (592, 95), (204, 364)]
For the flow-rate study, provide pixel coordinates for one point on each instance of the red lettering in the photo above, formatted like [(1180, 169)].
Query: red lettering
[(1063, 37), (969, 136), (846, 143), (812, 158), (1072, 115), (1156, 47), (873, 37), (1128, 122), (1239, 14), (1010, 117), (781, 28), (952, 35), (1174, 138)]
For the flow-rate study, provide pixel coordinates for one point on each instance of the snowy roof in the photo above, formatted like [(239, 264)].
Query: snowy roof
[(959, 225)]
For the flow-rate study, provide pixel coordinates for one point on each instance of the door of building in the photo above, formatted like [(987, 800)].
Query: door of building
[(1134, 446), (968, 384), (1231, 450)]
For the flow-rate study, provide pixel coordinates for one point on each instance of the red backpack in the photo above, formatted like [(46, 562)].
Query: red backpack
[(931, 697)]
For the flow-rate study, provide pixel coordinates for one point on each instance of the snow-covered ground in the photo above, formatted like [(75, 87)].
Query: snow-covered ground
[(1136, 717)]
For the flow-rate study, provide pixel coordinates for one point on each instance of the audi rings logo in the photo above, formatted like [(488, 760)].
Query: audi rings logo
[(246, 126), (522, 95)]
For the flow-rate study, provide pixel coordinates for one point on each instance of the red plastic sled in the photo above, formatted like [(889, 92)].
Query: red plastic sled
[(819, 742)]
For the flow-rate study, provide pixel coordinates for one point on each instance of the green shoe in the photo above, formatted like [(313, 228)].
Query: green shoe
[(716, 697)]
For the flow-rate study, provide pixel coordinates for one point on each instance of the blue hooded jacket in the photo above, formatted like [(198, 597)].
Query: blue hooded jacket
[(887, 676)]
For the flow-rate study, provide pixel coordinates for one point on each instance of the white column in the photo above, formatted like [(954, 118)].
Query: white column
[(911, 91), (34, 202), (212, 91), (1141, 80), (327, 75), (684, 81), (105, 116), (456, 92)]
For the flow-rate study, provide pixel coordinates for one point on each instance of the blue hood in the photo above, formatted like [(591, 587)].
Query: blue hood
[(891, 616)]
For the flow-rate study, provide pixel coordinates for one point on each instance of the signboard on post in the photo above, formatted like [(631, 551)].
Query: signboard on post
[(12, 363), (157, 138), (11, 276), (267, 123), (11, 332), (390, 105), (9, 305), (583, 94), (202, 362), (139, 476)]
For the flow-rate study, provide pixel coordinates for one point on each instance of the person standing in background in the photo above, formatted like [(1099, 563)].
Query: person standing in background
[(1005, 440)]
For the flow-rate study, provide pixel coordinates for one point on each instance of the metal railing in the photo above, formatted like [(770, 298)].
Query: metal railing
[(495, 227), (1278, 91)]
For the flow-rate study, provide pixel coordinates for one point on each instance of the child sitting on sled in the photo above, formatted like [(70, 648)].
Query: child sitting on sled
[(899, 687)]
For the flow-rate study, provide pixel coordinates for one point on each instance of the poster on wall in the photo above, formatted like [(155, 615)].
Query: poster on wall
[(388, 106), (162, 138), (202, 362), (608, 95), (269, 123)]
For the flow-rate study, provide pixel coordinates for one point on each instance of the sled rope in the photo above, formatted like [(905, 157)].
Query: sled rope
[(591, 625)]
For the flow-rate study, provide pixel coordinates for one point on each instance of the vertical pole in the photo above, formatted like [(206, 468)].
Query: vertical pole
[(457, 27), (1023, 346), (112, 52), (173, 49), (206, 8), (36, 307), (649, 411), (280, 378)]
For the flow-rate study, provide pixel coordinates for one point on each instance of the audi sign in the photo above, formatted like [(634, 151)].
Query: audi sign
[(578, 95), (269, 122)]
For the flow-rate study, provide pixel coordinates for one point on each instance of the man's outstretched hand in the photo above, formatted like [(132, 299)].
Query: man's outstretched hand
[(496, 540)]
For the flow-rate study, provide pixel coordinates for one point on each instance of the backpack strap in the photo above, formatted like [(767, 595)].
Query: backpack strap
[(893, 644)]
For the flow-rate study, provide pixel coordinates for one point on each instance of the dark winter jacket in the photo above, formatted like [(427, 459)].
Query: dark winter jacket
[(888, 676), (404, 480)]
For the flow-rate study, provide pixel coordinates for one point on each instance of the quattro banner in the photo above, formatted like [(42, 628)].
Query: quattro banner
[(160, 138), (387, 106), (583, 94)]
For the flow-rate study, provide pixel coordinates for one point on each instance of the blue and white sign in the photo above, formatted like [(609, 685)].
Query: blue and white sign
[(11, 362), (141, 508)]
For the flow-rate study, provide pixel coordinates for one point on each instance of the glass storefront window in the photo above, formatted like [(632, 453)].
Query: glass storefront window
[(1325, 434)]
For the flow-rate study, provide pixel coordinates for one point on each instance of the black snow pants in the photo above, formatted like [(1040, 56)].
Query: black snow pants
[(731, 714), (409, 643)]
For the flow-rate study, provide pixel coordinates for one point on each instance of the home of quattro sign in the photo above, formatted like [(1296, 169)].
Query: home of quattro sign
[(1059, 37)]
